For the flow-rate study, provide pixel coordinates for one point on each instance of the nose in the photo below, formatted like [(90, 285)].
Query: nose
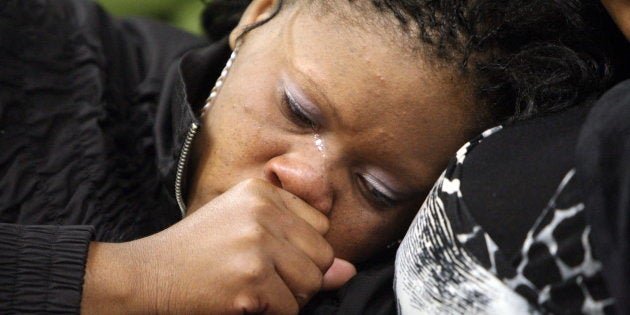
[(306, 180)]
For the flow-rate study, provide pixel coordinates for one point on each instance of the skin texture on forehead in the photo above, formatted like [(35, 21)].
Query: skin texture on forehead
[(385, 111), (364, 16), (387, 69)]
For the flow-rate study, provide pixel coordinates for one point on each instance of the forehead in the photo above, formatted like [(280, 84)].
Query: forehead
[(385, 97), (337, 50), (390, 104)]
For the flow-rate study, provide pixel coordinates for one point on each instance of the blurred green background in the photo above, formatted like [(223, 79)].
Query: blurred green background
[(184, 14)]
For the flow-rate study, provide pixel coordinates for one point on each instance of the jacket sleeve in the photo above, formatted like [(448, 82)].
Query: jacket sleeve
[(64, 65), (42, 268)]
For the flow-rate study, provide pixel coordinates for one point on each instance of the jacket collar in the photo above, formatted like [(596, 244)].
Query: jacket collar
[(187, 85)]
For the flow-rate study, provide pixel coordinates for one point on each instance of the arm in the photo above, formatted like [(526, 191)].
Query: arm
[(254, 249)]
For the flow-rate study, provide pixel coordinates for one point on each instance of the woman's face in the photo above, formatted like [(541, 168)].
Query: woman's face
[(351, 122)]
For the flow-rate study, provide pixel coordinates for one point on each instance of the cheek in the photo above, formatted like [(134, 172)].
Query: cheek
[(239, 147), (235, 143), (243, 124)]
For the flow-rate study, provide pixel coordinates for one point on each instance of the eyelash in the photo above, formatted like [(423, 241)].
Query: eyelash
[(376, 197), (296, 113)]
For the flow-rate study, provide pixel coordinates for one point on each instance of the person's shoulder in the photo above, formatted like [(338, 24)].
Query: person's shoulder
[(605, 136), (49, 31), (513, 173), (44, 40), (49, 15), (536, 147), (611, 114), (54, 29), (603, 156)]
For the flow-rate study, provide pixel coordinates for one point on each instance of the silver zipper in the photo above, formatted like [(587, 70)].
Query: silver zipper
[(181, 167)]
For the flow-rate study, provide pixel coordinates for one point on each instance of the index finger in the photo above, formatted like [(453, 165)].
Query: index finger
[(303, 210)]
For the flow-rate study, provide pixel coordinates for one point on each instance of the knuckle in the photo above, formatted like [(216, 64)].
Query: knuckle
[(249, 303), (252, 184), (301, 299), (288, 305), (315, 284), (293, 307), (310, 284), (246, 188), (327, 256), (249, 182), (261, 209), (256, 271), (254, 234), (322, 224), (260, 205)]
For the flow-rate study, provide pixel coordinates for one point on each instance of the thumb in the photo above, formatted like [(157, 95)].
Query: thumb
[(338, 274)]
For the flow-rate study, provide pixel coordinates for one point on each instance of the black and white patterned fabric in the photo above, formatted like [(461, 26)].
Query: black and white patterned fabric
[(448, 264)]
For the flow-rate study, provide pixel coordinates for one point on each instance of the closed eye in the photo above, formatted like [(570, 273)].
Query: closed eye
[(376, 192), (296, 112)]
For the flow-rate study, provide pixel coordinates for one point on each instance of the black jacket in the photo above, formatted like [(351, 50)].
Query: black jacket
[(94, 123), (88, 147), (603, 153)]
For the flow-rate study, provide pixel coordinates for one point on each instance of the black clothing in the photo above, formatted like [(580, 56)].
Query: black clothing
[(604, 161), (42, 267), (79, 96), (529, 159), (542, 205), (78, 102), (370, 292), (496, 256), (542, 151), (509, 180)]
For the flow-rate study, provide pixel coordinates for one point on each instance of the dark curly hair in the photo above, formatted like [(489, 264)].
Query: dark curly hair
[(527, 57)]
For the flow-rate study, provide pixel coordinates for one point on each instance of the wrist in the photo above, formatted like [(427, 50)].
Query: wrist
[(110, 284)]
